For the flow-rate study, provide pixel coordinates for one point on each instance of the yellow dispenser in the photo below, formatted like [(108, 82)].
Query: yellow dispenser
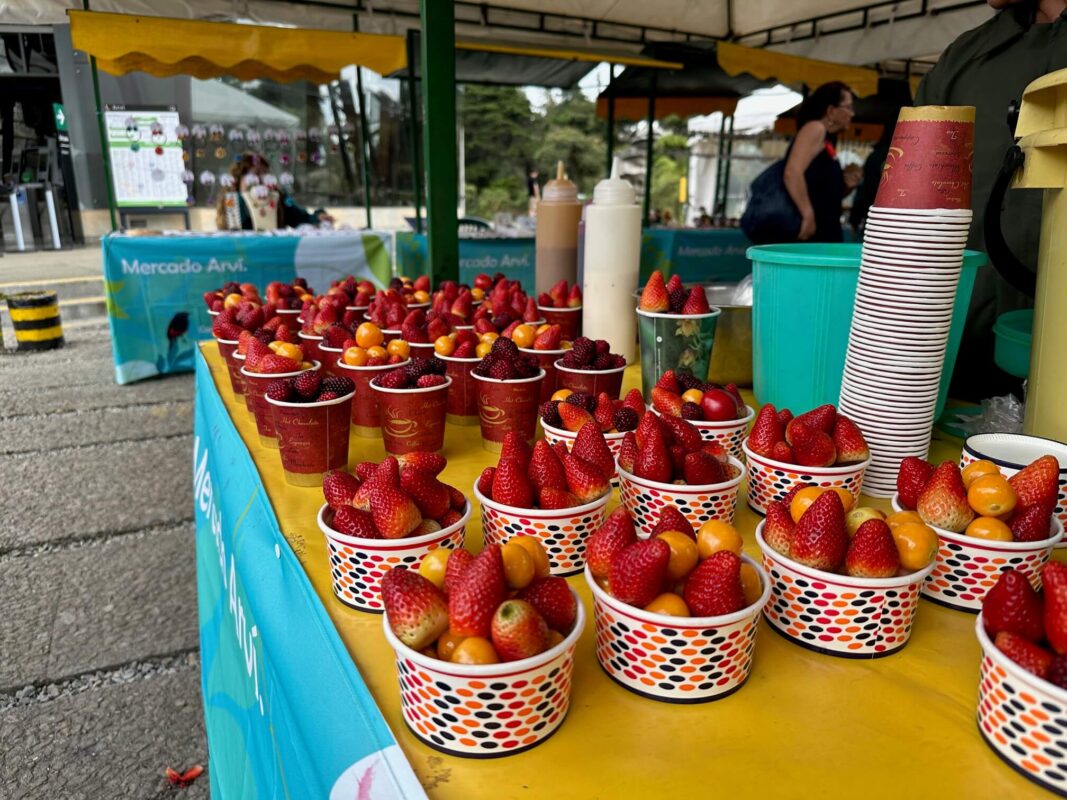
[(1042, 127)]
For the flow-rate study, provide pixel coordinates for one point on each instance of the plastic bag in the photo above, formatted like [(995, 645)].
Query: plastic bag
[(998, 415)]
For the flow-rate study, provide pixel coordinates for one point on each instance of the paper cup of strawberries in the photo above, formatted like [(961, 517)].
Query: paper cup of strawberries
[(986, 522), (844, 582), (509, 391), (1022, 689), (235, 324), (423, 330), (458, 351), (555, 496), (362, 364), (472, 633), (544, 343), (387, 515), (718, 412), (562, 305), (312, 415), (590, 367), (504, 304), (667, 462), (676, 614), (455, 299), (676, 328), (411, 406), (262, 367), (820, 447)]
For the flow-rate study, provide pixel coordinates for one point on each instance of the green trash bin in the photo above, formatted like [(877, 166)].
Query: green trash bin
[(1014, 337)]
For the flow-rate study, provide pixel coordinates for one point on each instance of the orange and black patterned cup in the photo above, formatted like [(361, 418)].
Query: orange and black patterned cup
[(412, 419), (312, 437), (506, 406), (365, 416)]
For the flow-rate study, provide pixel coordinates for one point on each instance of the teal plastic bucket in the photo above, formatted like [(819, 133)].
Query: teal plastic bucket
[(1014, 335), (801, 314)]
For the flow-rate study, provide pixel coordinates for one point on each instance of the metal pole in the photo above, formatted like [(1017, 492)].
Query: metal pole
[(416, 147), (726, 167), (611, 120), (438, 68), (364, 138), (648, 147), (719, 164), (104, 154)]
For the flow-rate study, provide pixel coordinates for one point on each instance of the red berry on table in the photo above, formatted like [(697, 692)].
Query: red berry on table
[(1026, 654), (485, 482), (1013, 605), (697, 302), (604, 413), (430, 463), (281, 390), (511, 484), (912, 477), (653, 458), (784, 453), (616, 533), (591, 446), (429, 494), (1037, 484), (683, 433), (701, 469), (766, 431), (668, 381), (554, 601), (943, 502), (546, 469), (1031, 524), (628, 452), (573, 417), (518, 631), (275, 364), (550, 498), (515, 447), (671, 519), (456, 566), (584, 479), (638, 570), (395, 514), (872, 552), (778, 527), (654, 297), (429, 381), (417, 611), (714, 588), (666, 402), (849, 442), (820, 539), (352, 522), (812, 447), (635, 402), (474, 597), (1054, 581), (338, 487), (821, 419), (624, 419), (307, 384)]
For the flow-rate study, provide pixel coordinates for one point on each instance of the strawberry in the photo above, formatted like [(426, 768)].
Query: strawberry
[(456, 568), (511, 486), (255, 353), (668, 381), (628, 452), (787, 499), (671, 519), (590, 445), (574, 299), (274, 364), (1031, 524), (426, 527), (820, 539), (517, 448), (912, 477), (872, 553), (697, 302), (549, 497), (1013, 605), (638, 570), (943, 502), (778, 528), (430, 495), (364, 470), (338, 487), (1057, 672), (352, 522), (456, 498), (450, 518), (783, 452), (550, 339), (518, 631), (701, 469), (645, 428), (1054, 578), (395, 514), (386, 473), (1026, 654), (1037, 484), (677, 454), (485, 482), (784, 416), (560, 448), (554, 601), (811, 447), (653, 461), (417, 611), (716, 451), (604, 414), (584, 479), (654, 297), (546, 470), (612, 537), (766, 431), (429, 381), (821, 419), (573, 417), (683, 433), (635, 402), (476, 594), (674, 283), (714, 587), (851, 446), (666, 403)]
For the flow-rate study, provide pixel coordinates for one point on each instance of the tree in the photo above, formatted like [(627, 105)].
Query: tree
[(498, 128), (572, 133)]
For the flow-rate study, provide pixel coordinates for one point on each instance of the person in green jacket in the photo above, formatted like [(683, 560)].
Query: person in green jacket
[(987, 68)]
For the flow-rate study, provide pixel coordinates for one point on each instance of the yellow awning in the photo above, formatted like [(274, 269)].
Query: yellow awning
[(162, 46), (767, 64), (567, 54)]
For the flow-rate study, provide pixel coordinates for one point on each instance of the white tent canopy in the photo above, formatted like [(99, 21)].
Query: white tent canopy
[(214, 101)]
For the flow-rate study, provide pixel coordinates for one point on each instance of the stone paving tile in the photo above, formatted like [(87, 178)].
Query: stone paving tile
[(113, 741), (44, 432), (91, 607), (52, 398)]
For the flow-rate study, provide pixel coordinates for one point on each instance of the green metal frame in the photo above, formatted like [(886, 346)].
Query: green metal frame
[(102, 130), (364, 143), (648, 147), (413, 117), (611, 121)]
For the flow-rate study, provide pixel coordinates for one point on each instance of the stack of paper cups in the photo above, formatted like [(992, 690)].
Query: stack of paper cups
[(912, 255)]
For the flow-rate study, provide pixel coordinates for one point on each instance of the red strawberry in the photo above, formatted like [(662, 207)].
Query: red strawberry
[(590, 445), (338, 487), (546, 469), (716, 451), (778, 527), (1054, 578), (255, 353), (417, 611), (429, 381), (1013, 605), (820, 539), (352, 522), (554, 601), (584, 479), (511, 486), (697, 302), (573, 417), (275, 364), (821, 419), (365, 469), (912, 477), (628, 452), (635, 401), (485, 482), (465, 350), (549, 497), (1031, 524), (668, 381), (784, 416), (1037, 484), (457, 499), (516, 447), (671, 519), (683, 433), (872, 553), (550, 339), (604, 413), (783, 452), (653, 461), (456, 568), (476, 594), (637, 571), (766, 431), (674, 283), (701, 469), (811, 447), (430, 495), (714, 587), (395, 514), (574, 299), (518, 631), (848, 439), (666, 403), (616, 533), (654, 297), (385, 474), (560, 448), (677, 454), (1057, 672), (1026, 654), (450, 518), (943, 502), (426, 527)]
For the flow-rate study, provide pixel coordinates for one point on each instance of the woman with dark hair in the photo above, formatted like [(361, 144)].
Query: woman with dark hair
[(813, 176), (251, 205)]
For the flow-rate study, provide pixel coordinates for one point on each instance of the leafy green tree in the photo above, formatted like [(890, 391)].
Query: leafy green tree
[(499, 132)]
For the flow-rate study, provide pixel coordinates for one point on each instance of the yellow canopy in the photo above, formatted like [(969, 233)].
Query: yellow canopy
[(568, 54), (162, 46), (768, 64)]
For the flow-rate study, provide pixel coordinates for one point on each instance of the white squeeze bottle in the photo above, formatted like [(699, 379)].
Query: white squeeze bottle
[(612, 262)]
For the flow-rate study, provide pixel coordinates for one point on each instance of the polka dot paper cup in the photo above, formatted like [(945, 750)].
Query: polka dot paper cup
[(562, 532), (730, 434), (1022, 717), (485, 710), (676, 659), (837, 614), (553, 435), (966, 567), (771, 480), (357, 565), (644, 499)]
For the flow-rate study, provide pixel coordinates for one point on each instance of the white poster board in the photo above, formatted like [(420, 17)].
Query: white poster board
[(146, 156)]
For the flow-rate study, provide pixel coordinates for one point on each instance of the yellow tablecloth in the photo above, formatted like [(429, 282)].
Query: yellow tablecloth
[(805, 725)]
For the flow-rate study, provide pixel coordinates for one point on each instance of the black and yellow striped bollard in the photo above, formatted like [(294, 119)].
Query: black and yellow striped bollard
[(35, 317)]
